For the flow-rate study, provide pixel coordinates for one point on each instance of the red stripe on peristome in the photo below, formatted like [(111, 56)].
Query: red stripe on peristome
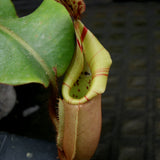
[(84, 32), (81, 48), (86, 98), (100, 75), (103, 70), (66, 85)]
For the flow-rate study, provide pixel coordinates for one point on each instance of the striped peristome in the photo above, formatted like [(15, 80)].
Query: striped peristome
[(98, 60)]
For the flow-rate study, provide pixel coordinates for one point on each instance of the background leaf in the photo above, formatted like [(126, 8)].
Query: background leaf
[(33, 45), (7, 9)]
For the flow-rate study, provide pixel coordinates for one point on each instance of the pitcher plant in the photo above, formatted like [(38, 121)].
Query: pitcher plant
[(45, 45), (79, 117)]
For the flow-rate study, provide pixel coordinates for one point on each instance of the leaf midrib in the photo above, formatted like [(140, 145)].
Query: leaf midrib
[(31, 51)]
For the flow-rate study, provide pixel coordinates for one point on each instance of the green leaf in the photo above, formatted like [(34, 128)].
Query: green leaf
[(7, 9), (33, 46)]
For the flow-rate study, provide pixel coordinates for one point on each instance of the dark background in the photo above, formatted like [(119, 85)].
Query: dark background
[(130, 30)]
